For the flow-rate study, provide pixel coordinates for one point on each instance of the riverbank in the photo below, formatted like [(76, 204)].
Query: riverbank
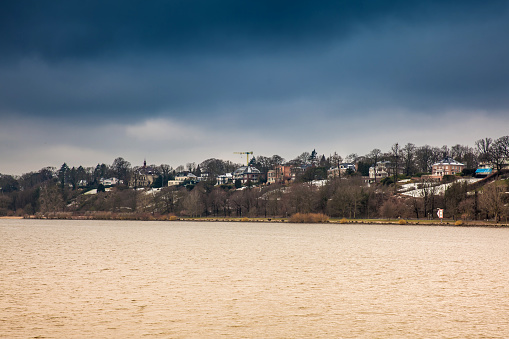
[(150, 217)]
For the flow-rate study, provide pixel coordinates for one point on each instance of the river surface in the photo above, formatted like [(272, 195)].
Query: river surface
[(126, 279)]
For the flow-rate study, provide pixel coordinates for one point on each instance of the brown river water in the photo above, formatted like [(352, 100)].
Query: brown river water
[(126, 279)]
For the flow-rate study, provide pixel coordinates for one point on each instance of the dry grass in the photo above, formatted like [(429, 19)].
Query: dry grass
[(402, 222), (104, 215), (308, 218)]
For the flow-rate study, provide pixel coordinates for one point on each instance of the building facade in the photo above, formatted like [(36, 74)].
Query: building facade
[(448, 166), (342, 169), (246, 174)]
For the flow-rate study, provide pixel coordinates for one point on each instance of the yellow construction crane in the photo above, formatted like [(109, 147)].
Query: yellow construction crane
[(247, 155)]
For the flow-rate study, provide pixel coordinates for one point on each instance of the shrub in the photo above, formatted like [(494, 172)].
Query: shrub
[(402, 222), (308, 218), (244, 219), (343, 221), (458, 223), (173, 218)]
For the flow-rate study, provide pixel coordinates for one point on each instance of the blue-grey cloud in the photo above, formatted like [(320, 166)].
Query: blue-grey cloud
[(276, 68), (78, 29)]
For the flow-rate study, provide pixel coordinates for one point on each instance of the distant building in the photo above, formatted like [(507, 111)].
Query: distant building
[(341, 170), (296, 171), (383, 170), (224, 179), (484, 170), (448, 166), (380, 171), (109, 181), (143, 177), (271, 177), (181, 177), (281, 174), (246, 174)]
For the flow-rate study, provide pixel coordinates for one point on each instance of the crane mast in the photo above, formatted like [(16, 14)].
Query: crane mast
[(247, 156)]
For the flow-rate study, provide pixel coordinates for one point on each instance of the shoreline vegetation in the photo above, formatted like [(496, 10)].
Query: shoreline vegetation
[(405, 184), (308, 218)]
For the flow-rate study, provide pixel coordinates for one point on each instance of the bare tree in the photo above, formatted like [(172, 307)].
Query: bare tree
[(121, 168), (453, 197), (336, 159), (276, 160), (445, 152), (302, 197), (494, 152), (504, 145), (395, 208), (165, 171), (167, 199), (428, 194), (491, 200), (500, 152), (465, 155), (424, 158), (484, 147), (217, 201), (396, 155), (50, 199), (193, 203), (179, 169), (352, 157), (408, 155), (375, 156)]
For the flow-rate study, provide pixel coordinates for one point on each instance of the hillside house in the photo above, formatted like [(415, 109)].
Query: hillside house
[(181, 177), (143, 176), (448, 166), (341, 170), (280, 174), (246, 174)]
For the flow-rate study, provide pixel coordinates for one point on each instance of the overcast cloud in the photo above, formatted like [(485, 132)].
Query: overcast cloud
[(182, 81)]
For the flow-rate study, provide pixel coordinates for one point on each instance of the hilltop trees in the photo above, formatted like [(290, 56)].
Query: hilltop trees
[(465, 155), (60, 189), (100, 171), (492, 152), (408, 158), (8, 184), (215, 167), (121, 169)]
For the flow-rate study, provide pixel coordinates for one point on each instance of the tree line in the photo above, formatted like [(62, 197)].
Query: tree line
[(52, 190)]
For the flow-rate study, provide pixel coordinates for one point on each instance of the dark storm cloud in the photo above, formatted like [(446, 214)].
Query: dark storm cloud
[(122, 59), (77, 29)]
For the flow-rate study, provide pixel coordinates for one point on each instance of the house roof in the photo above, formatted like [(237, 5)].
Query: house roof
[(246, 170), (448, 161)]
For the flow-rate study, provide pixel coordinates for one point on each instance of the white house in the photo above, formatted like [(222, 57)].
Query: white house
[(224, 179), (109, 181), (246, 173), (181, 177)]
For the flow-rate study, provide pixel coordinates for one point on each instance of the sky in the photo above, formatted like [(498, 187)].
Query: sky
[(174, 82)]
